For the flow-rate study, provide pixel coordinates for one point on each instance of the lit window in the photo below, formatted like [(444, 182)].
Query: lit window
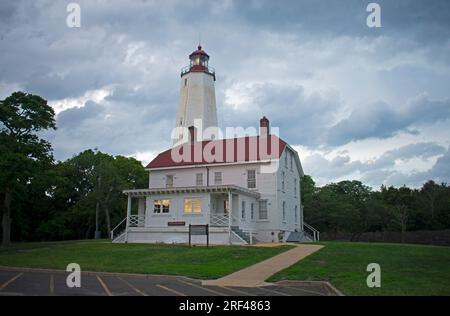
[(263, 209), (192, 206), (169, 181), (161, 206), (251, 179), (217, 178), (197, 206), (199, 179)]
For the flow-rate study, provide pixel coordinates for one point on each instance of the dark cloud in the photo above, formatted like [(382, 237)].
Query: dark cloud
[(313, 67), (382, 120)]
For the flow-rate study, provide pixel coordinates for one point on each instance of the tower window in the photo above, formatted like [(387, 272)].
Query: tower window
[(185, 82)]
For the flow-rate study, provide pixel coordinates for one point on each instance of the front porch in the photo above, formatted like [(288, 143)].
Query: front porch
[(216, 206)]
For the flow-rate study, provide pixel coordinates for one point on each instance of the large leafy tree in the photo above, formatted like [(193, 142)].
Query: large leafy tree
[(88, 194), (23, 154)]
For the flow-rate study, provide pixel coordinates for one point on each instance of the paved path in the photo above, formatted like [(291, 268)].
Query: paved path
[(17, 281), (255, 275)]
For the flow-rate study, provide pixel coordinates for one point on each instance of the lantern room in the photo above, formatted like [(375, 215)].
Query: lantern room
[(199, 60)]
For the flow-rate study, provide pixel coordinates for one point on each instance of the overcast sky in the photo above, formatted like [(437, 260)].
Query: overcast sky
[(356, 102)]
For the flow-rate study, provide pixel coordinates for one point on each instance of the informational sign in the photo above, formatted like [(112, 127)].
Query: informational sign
[(195, 230)]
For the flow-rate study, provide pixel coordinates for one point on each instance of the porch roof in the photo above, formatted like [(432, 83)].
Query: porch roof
[(195, 189)]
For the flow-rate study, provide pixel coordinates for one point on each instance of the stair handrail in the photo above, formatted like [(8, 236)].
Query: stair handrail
[(243, 224), (316, 233), (117, 226)]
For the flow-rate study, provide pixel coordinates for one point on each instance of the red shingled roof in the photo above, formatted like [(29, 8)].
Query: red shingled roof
[(164, 159)]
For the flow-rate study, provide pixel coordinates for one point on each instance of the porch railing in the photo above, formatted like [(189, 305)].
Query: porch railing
[(219, 220), (137, 221), (223, 221)]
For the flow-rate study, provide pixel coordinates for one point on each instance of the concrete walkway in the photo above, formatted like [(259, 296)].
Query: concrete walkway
[(255, 275)]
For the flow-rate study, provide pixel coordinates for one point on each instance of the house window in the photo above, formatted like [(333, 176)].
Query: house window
[(199, 179), (292, 162), (284, 211), (295, 187), (217, 178), (296, 214), (283, 174), (169, 181), (243, 210), (251, 179), (161, 206), (263, 209), (192, 206), (252, 211), (185, 82), (286, 159)]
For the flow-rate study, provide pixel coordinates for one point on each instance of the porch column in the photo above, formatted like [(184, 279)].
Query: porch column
[(128, 216), (230, 209)]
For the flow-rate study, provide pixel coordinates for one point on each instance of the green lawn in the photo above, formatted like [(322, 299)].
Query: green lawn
[(199, 262), (405, 269)]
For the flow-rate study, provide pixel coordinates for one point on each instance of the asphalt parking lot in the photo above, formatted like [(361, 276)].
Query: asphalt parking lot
[(47, 283)]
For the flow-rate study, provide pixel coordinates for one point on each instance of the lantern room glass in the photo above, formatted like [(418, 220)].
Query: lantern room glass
[(199, 60)]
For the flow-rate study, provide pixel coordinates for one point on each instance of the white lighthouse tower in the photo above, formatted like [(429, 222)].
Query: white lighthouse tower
[(197, 95)]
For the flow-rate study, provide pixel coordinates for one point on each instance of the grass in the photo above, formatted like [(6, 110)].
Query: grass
[(197, 262), (405, 269)]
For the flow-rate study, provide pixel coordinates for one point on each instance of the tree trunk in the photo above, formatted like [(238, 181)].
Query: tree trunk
[(97, 210), (6, 220), (108, 219)]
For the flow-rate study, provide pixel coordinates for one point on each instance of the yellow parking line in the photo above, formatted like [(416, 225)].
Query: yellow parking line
[(202, 288), (4, 285), (133, 287), (52, 285), (108, 292), (170, 290)]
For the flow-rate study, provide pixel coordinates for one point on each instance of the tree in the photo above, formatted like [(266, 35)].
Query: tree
[(400, 202), (433, 194), (22, 152), (89, 195)]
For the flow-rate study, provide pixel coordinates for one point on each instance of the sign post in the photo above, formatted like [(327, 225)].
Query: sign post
[(199, 230)]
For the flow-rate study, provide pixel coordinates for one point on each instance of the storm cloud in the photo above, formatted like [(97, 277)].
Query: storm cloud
[(363, 103)]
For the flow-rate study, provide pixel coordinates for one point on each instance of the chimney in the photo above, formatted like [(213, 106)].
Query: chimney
[(264, 129), (192, 134)]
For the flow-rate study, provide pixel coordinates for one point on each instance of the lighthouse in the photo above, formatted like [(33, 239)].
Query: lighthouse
[(197, 102)]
